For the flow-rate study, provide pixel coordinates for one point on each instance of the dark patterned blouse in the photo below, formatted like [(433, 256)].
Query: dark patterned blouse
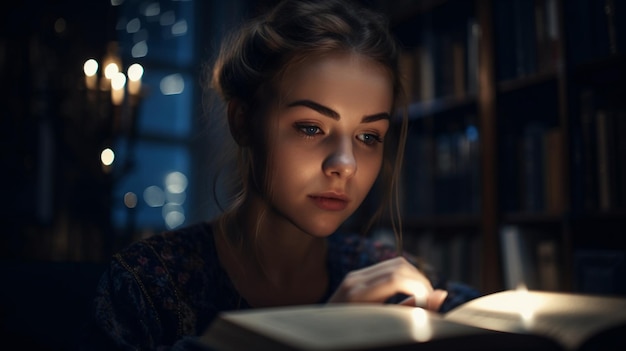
[(161, 292)]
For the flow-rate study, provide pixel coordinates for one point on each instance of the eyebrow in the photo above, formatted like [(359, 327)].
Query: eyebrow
[(328, 112)]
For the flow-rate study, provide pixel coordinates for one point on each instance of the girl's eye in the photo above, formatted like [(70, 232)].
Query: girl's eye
[(309, 130), (369, 139)]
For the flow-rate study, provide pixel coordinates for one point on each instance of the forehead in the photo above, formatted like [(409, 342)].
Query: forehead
[(340, 81)]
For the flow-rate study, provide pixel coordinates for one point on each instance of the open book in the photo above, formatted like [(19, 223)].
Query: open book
[(508, 320)]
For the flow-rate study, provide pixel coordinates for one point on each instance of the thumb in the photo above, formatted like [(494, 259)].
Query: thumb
[(436, 299), (433, 302)]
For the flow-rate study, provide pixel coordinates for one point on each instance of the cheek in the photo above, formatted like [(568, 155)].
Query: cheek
[(368, 167), (289, 164)]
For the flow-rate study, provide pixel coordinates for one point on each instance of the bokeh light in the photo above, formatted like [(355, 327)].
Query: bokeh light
[(107, 156)]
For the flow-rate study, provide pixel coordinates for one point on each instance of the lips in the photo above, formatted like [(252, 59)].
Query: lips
[(330, 201)]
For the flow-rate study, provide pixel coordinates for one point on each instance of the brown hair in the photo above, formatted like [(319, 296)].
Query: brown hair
[(252, 60)]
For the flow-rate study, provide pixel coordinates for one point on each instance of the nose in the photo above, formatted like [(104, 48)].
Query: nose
[(340, 162)]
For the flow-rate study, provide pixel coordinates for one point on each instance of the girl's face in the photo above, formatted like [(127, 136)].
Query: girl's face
[(326, 139)]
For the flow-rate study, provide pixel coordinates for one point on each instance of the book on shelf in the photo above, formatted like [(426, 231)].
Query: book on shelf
[(407, 64), (450, 72), (426, 67), (611, 153), (459, 86), (473, 35), (527, 37), (595, 29), (532, 168), (600, 271), (548, 265), (588, 152), (440, 60), (511, 320), (418, 175), (554, 170), (457, 168), (453, 256), (508, 165), (519, 263), (539, 171), (515, 39), (606, 187), (547, 34), (530, 257), (599, 151), (620, 152)]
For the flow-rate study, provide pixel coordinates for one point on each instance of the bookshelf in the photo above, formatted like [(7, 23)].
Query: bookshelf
[(516, 140)]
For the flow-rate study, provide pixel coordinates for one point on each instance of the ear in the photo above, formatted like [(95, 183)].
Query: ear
[(237, 122)]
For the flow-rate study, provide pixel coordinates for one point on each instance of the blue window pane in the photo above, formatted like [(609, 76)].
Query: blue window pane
[(162, 114), (159, 31), (176, 45), (158, 178)]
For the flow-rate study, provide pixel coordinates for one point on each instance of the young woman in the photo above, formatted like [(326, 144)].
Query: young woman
[(312, 90)]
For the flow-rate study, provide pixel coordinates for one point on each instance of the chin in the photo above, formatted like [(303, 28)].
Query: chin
[(321, 231), (319, 226)]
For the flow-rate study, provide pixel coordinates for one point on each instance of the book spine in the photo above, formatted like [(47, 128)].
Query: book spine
[(541, 33), (589, 149), (548, 265), (525, 45), (444, 173), (547, 35), (474, 178), (458, 70), (418, 175), (603, 157), (532, 168), (609, 7), (406, 64), (554, 154), (473, 36), (427, 68), (444, 68), (516, 261), (600, 271), (620, 157), (516, 40)]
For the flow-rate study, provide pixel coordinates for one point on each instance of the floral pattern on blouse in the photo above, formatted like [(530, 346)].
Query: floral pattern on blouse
[(166, 288)]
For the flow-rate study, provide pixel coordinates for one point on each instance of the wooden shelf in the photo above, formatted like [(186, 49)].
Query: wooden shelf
[(520, 122), (419, 110), (529, 81), (608, 71), (532, 217)]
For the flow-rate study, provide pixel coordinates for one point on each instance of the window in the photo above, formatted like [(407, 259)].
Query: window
[(151, 195)]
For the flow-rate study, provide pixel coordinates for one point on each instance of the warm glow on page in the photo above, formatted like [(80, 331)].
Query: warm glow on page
[(422, 328)]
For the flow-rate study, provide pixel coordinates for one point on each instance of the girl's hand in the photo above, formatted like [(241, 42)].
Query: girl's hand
[(383, 280)]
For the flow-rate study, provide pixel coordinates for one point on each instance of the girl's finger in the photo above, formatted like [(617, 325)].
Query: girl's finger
[(381, 288), (433, 302)]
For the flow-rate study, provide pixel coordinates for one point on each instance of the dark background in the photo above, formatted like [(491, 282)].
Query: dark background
[(59, 224)]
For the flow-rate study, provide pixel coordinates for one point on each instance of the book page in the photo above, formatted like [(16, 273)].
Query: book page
[(348, 326), (568, 318)]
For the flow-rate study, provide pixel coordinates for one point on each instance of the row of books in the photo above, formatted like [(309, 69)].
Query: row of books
[(451, 256), (534, 168), (599, 146), (526, 35), (442, 171), (599, 271), (530, 258), (596, 29), (443, 62)]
